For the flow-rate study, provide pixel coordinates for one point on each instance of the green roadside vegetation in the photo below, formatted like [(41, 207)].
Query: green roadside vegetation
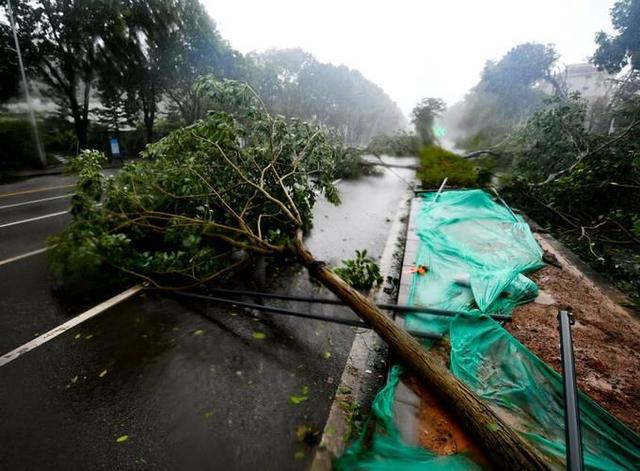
[(571, 163)]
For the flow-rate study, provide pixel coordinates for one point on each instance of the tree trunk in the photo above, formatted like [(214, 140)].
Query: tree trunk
[(149, 120), (503, 445), (79, 123), (85, 112)]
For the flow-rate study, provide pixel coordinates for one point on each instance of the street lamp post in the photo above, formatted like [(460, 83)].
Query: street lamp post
[(25, 84)]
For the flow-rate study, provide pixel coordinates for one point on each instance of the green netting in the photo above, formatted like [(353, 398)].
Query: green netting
[(477, 253)]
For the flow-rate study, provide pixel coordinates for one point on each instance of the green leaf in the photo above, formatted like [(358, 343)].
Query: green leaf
[(302, 397), (298, 399), (259, 335), (122, 438)]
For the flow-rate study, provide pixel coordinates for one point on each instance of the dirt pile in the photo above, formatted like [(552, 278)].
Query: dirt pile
[(606, 340)]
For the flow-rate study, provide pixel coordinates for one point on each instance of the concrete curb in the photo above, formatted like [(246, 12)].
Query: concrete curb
[(356, 376), (406, 407)]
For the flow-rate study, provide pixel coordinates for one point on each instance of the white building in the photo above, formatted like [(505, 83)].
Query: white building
[(588, 80)]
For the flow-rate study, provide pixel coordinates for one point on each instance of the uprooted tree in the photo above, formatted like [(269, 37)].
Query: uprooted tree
[(241, 182)]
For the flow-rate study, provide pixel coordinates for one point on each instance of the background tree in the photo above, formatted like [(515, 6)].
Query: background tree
[(62, 42), (293, 83), (508, 92), (581, 181), (165, 47), (136, 67), (617, 51), (194, 49), (127, 61), (9, 73), (423, 118), (519, 70)]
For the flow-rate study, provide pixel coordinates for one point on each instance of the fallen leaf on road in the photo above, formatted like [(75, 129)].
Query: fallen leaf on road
[(259, 335), (303, 396), (122, 438)]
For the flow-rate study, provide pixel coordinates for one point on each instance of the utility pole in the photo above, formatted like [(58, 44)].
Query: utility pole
[(27, 93)]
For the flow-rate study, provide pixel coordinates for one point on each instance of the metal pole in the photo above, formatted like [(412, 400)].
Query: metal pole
[(444, 182), (25, 84), (573, 436), (504, 203)]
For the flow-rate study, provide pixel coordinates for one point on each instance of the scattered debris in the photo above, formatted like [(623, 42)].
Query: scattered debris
[(302, 397)]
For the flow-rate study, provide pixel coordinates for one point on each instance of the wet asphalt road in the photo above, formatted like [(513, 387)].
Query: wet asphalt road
[(186, 382)]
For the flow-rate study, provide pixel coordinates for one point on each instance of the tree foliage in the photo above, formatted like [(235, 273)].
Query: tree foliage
[(405, 144), (519, 70), (294, 83), (508, 91), (583, 185), (551, 138), (423, 118), (401, 144), (9, 73), (617, 51), (240, 180), (361, 272), (165, 48), (133, 62), (62, 42)]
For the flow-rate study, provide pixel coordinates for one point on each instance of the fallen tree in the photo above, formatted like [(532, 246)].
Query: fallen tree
[(240, 182)]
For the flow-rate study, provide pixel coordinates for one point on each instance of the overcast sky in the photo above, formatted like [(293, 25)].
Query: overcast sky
[(413, 49)]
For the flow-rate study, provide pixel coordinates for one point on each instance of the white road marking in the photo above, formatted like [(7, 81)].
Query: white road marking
[(25, 255), (85, 316), (37, 190), (37, 218), (24, 203)]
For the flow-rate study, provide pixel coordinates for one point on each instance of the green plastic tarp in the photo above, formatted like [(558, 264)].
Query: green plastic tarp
[(478, 253)]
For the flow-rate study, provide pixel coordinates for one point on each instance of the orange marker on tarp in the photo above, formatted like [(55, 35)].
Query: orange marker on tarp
[(420, 269)]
